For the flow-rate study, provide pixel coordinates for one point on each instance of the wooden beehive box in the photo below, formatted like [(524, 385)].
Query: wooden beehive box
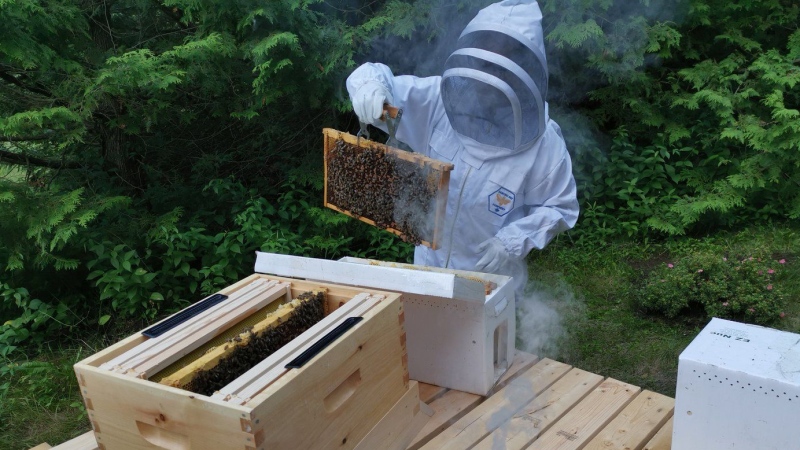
[(402, 192), (334, 400)]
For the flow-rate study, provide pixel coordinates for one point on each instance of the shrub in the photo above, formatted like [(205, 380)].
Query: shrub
[(680, 119), (142, 266), (743, 288)]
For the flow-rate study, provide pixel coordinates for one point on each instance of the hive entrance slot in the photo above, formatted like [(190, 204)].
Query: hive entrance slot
[(501, 347)]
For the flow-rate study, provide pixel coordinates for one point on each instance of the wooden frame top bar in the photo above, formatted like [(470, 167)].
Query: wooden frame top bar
[(402, 154)]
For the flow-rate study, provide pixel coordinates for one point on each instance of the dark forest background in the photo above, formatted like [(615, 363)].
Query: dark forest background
[(148, 148)]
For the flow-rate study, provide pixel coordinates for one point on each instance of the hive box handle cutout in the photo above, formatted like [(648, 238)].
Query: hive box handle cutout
[(162, 438), (345, 390)]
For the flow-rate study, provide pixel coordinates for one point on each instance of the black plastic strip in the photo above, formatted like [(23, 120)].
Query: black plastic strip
[(184, 315), (323, 342)]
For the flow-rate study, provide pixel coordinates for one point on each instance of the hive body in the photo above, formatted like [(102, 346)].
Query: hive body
[(333, 401)]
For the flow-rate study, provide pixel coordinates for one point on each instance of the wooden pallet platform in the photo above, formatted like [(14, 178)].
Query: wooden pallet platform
[(544, 404), (538, 404)]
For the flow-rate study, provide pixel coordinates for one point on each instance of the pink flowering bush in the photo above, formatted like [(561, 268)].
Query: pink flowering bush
[(744, 288)]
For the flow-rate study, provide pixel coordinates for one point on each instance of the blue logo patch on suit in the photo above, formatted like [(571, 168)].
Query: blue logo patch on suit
[(501, 202)]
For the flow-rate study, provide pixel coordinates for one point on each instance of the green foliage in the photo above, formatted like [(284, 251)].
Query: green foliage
[(40, 226), (161, 145), (742, 288), (709, 85), (39, 380), (182, 256), (32, 317), (628, 184)]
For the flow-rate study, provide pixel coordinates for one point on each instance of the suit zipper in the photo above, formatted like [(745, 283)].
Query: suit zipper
[(455, 217)]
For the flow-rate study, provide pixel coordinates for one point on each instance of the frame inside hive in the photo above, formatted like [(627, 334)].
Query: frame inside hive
[(402, 192), (229, 355), (211, 351)]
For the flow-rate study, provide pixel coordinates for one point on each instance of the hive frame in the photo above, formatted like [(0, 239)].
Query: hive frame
[(443, 169)]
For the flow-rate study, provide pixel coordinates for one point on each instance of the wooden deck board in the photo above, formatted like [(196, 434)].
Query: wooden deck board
[(430, 392), (448, 408), (86, 441), (663, 438), (636, 424), (541, 413), (537, 404), (500, 407), (580, 410), (522, 362), (588, 417), (42, 446)]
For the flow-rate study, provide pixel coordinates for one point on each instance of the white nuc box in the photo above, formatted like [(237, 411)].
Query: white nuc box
[(460, 325), (738, 388)]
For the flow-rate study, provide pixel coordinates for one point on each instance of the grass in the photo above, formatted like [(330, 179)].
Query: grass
[(39, 396), (604, 331), (40, 401), (601, 331), (605, 335), (580, 309)]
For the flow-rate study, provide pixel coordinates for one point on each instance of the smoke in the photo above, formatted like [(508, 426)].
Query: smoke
[(414, 197), (545, 304), (574, 72), (424, 51), (415, 216), (543, 310), (619, 54)]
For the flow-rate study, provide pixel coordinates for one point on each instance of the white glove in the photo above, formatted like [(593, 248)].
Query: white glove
[(494, 256), (368, 102)]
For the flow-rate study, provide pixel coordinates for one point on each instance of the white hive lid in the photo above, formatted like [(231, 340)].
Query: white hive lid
[(399, 279), (750, 349)]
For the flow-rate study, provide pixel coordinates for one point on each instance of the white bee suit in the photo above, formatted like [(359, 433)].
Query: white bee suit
[(512, 176)]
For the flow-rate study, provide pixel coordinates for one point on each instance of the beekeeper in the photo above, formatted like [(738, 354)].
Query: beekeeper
[(512, 188)]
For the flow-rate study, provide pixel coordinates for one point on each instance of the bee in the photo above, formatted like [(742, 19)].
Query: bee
[(393, 193), (310, 310)]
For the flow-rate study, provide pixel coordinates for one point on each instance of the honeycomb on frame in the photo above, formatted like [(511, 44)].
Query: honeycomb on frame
[(402, 192)]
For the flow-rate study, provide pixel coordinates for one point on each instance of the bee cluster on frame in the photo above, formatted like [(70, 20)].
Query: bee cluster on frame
[(392, 192)]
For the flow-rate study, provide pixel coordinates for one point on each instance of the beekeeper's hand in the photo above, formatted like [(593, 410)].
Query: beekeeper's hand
[(494, 256), (368, 102)]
